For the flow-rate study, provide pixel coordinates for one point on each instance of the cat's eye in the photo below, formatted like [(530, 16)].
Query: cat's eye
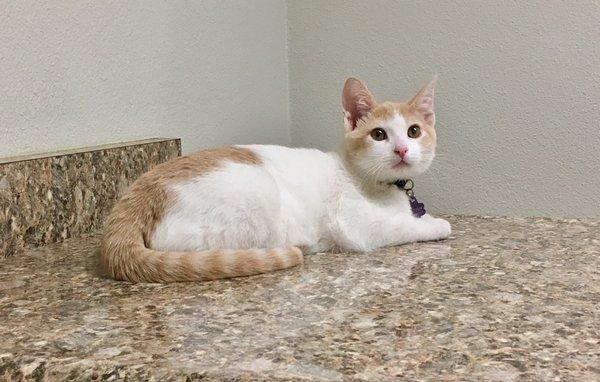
[(414, 131), (378, 134)]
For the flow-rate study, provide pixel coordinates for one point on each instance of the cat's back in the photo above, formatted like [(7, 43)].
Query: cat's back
[(279, 161), (301, 164), (254, 188)]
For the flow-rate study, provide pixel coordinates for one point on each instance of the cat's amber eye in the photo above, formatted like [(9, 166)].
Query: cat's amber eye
[(378, 134), (414, 131)]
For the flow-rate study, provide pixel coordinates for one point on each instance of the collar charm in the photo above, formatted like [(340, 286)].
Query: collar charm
[(417, 208)]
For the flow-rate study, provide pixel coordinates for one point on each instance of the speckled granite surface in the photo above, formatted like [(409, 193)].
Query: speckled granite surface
[(48, 199), (503, 299)]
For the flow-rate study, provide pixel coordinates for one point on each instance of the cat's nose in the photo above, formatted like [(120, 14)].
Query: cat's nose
[(401, 151)]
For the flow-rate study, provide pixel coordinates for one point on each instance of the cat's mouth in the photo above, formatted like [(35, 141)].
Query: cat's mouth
[(402, 163)]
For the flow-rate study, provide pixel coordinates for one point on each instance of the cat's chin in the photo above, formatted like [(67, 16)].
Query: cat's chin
[(406, 171)]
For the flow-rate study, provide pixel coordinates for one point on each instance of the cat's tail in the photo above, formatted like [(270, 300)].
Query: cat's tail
[(124, 252), (136, 263)]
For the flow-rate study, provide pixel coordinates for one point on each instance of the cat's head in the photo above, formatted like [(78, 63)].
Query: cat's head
[(390, 140)]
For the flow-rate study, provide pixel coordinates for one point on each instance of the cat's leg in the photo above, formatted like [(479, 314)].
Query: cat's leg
[(367, 227)]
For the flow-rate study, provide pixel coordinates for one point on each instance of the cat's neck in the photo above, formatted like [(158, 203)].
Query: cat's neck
[(368, 186)]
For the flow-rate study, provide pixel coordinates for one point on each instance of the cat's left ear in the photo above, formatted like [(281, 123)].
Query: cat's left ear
[(422, 102)]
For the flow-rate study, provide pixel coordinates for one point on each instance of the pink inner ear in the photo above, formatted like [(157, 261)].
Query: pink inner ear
[(424, 106), (426, 103), (349, 124), (356, 101), (429, 117), (423, 102), (351, 115)]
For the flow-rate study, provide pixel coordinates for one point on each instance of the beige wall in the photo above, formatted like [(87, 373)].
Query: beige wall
[(518, 99), (78, 73)]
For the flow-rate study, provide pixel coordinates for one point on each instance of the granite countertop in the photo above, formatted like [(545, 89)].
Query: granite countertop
[(503, 299)]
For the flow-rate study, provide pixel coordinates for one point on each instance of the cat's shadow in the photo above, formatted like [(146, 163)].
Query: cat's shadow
[(93, 266)]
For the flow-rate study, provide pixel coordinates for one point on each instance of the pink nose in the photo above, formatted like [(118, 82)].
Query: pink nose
[(401, 151)]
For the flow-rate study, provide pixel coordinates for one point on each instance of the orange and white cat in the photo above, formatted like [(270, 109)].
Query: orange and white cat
[(243, 210)]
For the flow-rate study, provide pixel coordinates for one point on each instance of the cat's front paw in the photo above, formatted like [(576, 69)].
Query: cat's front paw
[(439, 228)]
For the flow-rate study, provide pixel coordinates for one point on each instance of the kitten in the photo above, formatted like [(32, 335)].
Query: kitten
[(243, 210)]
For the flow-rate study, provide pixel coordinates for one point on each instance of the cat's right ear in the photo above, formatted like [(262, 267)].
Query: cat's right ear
[(357, 101)]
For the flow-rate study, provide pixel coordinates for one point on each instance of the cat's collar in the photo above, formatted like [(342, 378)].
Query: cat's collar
[(403, 183)]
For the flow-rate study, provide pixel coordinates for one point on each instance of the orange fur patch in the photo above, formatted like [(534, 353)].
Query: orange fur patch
[(125, 253)]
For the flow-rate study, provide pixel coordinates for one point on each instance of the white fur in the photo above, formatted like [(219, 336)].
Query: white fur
[(298, 197)]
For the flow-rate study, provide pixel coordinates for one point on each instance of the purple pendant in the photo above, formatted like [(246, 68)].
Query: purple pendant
[(418, 209)]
